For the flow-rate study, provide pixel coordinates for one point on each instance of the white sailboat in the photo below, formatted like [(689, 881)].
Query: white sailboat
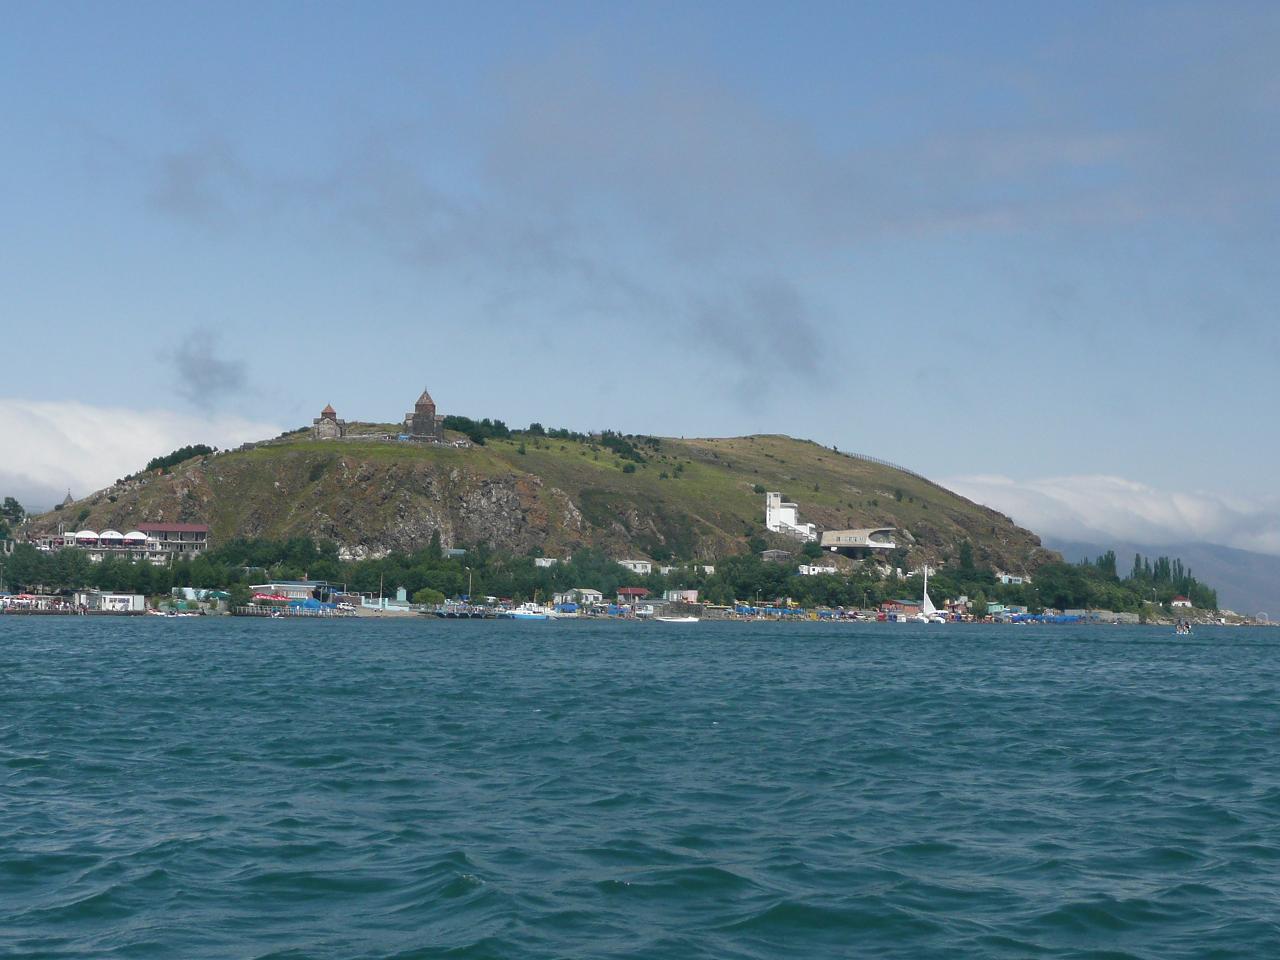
[(928, 612)]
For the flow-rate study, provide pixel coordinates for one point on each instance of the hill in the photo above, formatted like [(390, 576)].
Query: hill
[(638, 496)]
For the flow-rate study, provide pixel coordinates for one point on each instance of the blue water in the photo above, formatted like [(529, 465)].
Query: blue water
[(246, 788)]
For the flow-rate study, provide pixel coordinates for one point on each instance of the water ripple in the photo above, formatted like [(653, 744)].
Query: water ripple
[(228, 788)]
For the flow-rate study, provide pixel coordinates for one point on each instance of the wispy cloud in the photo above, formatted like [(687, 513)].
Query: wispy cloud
[(52, 447), (203, 183), (663, 196), (204, 377), (1100, 508)]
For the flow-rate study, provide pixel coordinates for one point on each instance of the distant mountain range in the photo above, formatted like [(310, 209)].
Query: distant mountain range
[(1246, 582)]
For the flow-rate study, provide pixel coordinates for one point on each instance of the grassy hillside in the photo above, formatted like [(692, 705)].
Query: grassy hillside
[(688, 499)]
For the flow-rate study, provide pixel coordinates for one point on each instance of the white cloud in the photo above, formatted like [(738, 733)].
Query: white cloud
[(49, 447), (1093, 507)]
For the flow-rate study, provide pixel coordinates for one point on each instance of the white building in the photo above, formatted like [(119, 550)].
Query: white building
[(113, 602), (545, 561), (642, 567), (814, 570), (783, 517), (289, 589), (159, 543), (582, 595), (1180, 601), (864, 542), (681, 596), (668, 569), (1011, 579)]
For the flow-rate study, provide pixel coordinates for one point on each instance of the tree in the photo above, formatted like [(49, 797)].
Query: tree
[(1107, 564), (966, 556), (435, 552), (978, 605), (427, 596), (178, 456), (1062, 586), (12, 511)]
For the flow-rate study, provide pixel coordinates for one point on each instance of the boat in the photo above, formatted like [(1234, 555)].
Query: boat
[(526, 611), (928, 612), (678, 619)]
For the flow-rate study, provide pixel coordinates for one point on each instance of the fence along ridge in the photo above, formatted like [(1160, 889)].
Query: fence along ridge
[(895, 466)]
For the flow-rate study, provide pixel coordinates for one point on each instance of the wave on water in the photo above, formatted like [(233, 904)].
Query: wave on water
[(412, 790)]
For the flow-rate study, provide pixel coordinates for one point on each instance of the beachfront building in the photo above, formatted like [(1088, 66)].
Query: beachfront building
[(681, 596), (584, 596), (901, 608), (642, 567), (783, 517), (177, 540), (861, 543), (280, 591), (99, 602), (631, 594), (158, 543), (422, 422), (327, 426)]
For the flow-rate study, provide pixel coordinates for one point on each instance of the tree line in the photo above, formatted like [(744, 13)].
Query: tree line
[(429, 575)]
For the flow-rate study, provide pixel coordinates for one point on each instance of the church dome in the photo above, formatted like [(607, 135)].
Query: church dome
[(328, 411)]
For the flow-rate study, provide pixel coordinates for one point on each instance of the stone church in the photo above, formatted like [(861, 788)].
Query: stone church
[(327, 426), (422, 422)]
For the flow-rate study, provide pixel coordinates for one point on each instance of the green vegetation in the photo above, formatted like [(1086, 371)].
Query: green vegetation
[(668, 499), (1087, 585), (478, 431), (181, 455), (12, 513), (429, 577)]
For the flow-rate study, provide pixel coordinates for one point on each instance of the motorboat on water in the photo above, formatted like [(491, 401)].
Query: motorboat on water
[(678, 619), (527, 611)]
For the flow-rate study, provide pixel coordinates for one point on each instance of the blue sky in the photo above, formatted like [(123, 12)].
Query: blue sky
[(1018, 247)]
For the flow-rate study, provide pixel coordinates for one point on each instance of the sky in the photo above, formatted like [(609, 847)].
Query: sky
[(1027, 249)]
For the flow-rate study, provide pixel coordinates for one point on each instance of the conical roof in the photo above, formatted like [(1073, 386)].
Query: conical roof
[(425, 398), (328, 411)]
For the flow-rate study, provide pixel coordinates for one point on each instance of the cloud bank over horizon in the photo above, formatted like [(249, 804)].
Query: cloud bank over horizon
[(56, 446), (1102, 508)]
